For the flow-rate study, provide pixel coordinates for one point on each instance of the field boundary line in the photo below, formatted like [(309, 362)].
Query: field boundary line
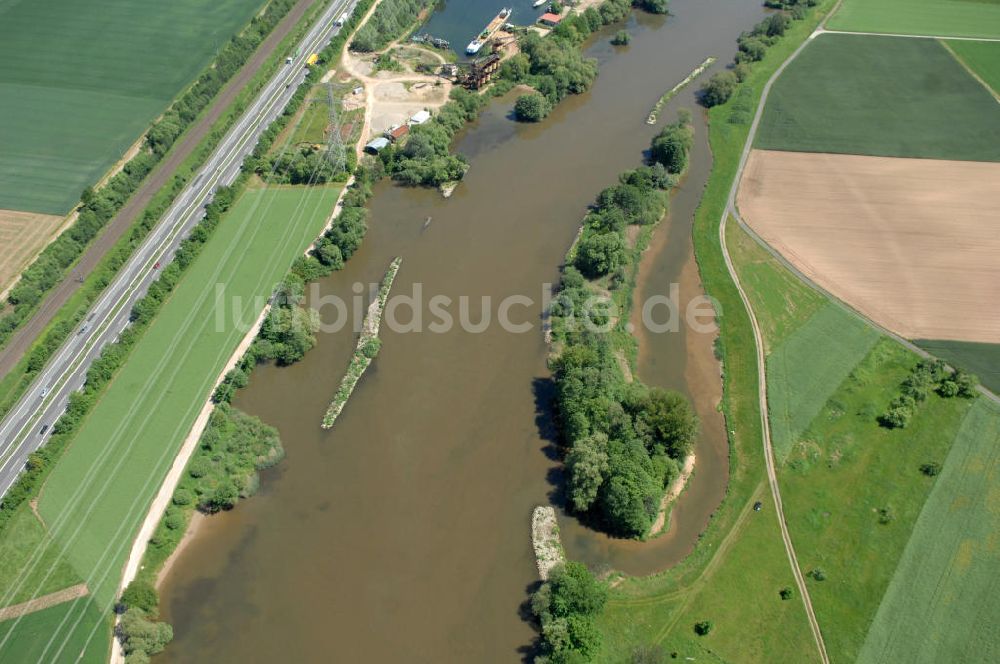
[(821, 30), (43, 602), (969, 70)]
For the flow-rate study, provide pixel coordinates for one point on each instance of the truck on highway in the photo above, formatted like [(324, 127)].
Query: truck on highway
[(312, 59), (342, 20)]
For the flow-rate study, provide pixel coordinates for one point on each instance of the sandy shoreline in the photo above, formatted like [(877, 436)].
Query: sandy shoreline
[(194, 526), (675, 490)]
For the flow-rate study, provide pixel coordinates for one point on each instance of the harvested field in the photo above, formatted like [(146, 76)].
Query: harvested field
[(22, 236), (908, 242), (881, 96)]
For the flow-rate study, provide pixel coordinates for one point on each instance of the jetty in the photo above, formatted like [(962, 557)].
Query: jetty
[(367, 348), (655, 113), (545, 540)]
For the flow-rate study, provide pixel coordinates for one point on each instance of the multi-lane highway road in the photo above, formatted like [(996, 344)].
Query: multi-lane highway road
[(29, 423)]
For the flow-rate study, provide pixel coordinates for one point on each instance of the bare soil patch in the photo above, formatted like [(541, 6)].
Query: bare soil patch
[(43, 602), (22, 236), (910, 243)]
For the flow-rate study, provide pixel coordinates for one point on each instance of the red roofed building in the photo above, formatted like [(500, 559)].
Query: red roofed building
[(397, 133), (550, 19)]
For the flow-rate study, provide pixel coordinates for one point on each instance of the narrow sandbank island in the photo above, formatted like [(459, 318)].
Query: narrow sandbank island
[(367, 348)]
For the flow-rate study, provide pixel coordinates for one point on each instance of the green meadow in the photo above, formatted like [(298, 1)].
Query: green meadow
[(99, 491), (61, 633), (882, 96), (942, 603), (949, 18), (82, 79)]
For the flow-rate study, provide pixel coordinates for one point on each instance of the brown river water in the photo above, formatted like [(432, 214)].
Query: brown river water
[(402, 534)]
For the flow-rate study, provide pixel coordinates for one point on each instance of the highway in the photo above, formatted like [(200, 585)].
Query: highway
[(27, 425)]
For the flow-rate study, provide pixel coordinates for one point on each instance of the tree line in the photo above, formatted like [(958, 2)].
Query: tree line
[(623, 441), (753, 47), (926, 377)]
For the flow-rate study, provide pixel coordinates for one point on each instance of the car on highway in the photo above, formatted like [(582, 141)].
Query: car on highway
[(44, 392), (156, 265)]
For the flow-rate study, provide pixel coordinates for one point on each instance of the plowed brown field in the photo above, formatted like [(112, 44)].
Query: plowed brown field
[(914, 244)]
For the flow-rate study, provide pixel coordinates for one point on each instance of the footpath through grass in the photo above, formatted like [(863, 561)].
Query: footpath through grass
[(951, 18), (943, 601), (99, 491), (882, 96), (82, 79)]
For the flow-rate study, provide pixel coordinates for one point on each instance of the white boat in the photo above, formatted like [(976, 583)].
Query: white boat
[(539, 3), (491, 28)]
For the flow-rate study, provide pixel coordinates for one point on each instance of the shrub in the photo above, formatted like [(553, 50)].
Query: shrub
[(621, 38), (818, 574), (141, 595), (786, 593), (930, 469), (719, 88), (703, 627), (531, 107)]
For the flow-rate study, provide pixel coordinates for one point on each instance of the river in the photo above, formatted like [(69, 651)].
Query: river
[(402, 534)]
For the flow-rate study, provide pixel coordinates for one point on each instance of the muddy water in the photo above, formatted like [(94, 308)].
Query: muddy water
[(402, 533)]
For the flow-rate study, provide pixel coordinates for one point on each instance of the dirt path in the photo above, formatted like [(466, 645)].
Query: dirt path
[(772, 477), (385, 92), (43, 602), (161, 175)]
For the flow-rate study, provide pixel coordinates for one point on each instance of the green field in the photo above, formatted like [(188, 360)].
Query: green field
[(100, 489), (806, 369), (944, 599), (885, 96), (82, 79), (32, 638), (980, 359), (981, 57), (845, 468), (785, 302), (23, 536), (951, 18)]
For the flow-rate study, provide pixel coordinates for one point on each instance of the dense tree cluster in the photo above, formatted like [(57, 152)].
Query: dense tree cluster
[(566, 606), (753, 47), (142, 636), (425, 157), (624, 441), (305, 165), (388, 22), (926, 377)]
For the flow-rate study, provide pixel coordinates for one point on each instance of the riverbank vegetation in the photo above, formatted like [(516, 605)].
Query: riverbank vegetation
[(137, 466), (753, 47), (565, 606), (624, 441)]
